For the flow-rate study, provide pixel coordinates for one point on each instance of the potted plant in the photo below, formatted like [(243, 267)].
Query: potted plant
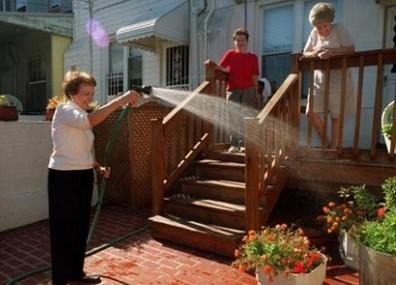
[(378, 242), (8, 112), (345, 218), (51, 106), (281, 255), (387, 124)]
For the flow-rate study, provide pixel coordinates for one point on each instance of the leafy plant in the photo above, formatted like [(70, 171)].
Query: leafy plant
[(54, 102), (387, 130), (389, 189), (4, 101), (277, 250), (380, 235), (358, 205)]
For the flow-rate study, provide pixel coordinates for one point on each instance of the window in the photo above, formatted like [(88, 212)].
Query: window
[(277, 43), (134, 68), (115, 75), (36, 70), (177, 67)]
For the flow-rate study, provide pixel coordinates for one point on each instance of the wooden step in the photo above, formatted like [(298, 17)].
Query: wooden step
[(207, 237), (238, 157), (207, 211), (216, 169), (223, 190)]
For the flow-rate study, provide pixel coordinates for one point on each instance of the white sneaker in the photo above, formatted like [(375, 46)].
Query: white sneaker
[(233, 149)]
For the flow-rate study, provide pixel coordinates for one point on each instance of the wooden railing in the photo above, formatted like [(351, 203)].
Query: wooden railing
[(182, 135), (359, 60), (269, 137)]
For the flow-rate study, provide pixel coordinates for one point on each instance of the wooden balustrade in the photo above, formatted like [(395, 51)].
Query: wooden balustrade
[(269, 137), (359, 60), (182, 135)]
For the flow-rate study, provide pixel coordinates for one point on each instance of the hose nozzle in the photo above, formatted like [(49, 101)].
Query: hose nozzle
[(143, 89)]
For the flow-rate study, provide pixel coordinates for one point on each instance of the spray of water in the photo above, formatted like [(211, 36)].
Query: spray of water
[(223, 114)]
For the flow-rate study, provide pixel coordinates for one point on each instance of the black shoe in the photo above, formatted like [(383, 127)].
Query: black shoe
[(89, 279)]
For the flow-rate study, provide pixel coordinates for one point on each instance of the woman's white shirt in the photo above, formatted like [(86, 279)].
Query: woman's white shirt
[(72, 139)]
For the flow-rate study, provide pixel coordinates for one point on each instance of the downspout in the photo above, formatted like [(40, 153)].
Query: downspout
[(205, 43), (245, 22)]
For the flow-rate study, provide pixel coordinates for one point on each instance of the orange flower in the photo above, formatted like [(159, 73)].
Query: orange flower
[(381, 212), (326, 210), (267, 269), (241, 268), (237, 253)]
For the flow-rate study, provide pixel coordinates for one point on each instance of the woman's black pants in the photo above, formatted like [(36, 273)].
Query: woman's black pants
[(69, 196)]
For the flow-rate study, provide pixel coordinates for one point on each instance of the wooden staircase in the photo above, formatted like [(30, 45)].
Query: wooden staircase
[(209, 211), (206, 198)]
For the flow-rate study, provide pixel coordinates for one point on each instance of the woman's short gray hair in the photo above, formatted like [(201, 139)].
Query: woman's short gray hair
[(320, 13)]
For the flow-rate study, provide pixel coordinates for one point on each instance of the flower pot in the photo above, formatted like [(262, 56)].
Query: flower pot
[(315, 277), (376, 267), (8, 113), (349, 250), (49, 114), (387, 118)]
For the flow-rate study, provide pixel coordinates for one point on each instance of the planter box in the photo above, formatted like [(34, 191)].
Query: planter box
[(49, 114), (8, 113), (349, 250), (315, 277), (376, 268)]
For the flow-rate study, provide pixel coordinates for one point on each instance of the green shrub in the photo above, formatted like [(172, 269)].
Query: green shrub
[(380, 235)]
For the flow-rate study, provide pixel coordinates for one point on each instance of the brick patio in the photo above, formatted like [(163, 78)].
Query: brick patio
[(138, 259)]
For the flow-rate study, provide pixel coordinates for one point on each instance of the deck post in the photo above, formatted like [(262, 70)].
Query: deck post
[(252, 174), (158, 165)]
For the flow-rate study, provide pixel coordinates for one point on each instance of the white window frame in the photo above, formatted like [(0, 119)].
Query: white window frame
[(164, 68)]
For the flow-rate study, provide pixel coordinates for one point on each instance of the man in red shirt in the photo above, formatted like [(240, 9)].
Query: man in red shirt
[(242, 69)]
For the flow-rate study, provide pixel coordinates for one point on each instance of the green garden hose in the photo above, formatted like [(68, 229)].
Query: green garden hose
[(102, 188)]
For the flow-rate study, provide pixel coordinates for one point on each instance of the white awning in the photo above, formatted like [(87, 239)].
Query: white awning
[(168, 24)]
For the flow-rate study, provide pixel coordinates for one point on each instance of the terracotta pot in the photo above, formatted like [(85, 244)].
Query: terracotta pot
[(315, 277), (8, 113), (349, 250), (49, 114), (376, 267)]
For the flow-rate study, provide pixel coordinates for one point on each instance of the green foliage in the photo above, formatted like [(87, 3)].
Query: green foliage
[(4, 101), (387, 130), (389, 189), (358, 205), (380, 235), (277, 250)]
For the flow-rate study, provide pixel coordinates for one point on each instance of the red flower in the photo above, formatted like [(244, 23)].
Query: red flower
[(381, 212), (299, 267)]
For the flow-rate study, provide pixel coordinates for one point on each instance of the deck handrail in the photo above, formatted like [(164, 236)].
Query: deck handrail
[(268, 138), (181, 136), (359, 60)]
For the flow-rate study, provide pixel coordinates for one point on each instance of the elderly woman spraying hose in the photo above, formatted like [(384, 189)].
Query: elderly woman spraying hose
[(70, 176), (328, 39)]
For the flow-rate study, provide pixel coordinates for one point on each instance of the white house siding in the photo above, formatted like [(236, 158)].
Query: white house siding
[(112, 15)]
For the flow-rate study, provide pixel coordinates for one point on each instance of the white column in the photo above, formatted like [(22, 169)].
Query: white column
[(125, 68), (298, 43)]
